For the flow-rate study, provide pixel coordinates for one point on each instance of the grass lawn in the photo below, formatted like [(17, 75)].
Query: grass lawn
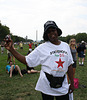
[(17, 88)]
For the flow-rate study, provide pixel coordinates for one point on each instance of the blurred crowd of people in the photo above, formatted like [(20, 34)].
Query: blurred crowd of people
[(77, 50)]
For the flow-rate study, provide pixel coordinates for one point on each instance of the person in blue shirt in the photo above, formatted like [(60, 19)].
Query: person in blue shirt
[(13, 69)]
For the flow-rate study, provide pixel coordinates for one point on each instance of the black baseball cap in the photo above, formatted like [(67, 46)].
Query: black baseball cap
[(49, 24)]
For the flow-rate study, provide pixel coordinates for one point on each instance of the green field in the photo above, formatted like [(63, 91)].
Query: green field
[(17, 88)]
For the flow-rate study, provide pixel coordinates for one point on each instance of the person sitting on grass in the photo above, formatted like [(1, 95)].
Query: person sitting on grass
[(13, 69), (31, 70)]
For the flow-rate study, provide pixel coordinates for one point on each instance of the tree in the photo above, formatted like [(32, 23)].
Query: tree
[(62, 38), (4, 30), (81, 37)]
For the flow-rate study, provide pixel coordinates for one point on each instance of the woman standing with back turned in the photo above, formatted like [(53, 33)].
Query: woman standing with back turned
[(55, 59)]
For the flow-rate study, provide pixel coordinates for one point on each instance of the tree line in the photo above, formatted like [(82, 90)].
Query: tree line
[(79, 37), (4, 30)]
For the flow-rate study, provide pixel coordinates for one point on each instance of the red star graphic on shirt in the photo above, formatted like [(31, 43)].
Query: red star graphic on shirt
[(60, 63)]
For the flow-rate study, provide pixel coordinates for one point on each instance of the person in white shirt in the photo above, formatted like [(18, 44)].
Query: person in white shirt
[(55, 59)]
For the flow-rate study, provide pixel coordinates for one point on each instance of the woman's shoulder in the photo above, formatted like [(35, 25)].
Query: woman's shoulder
[(64, 43)]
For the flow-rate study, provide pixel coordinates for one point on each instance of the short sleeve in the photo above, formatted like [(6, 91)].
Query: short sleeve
[(33, 59)]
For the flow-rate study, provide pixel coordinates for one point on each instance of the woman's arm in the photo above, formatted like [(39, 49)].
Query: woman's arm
[(18, 56), (70, 75), (7, 71), (9, 46)]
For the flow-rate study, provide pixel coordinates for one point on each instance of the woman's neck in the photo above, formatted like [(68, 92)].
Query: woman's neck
[(56, 42), (72, 46)]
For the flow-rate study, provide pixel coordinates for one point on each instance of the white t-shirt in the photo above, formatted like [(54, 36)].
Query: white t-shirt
[(55, 60)]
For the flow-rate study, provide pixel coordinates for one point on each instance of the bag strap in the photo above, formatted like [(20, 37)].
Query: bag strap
[(49, 77)]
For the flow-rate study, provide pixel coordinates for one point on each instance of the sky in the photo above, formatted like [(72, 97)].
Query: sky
[(27, 17)]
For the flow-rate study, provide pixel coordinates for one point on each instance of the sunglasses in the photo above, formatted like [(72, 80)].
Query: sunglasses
[(73, 41)]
